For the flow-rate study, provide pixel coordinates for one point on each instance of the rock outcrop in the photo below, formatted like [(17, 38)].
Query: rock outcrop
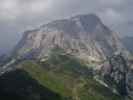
[(118, 74)]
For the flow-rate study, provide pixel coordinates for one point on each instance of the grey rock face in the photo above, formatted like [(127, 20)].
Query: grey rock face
[(130, 83), (118, 73), (84, 36), (119, 70)]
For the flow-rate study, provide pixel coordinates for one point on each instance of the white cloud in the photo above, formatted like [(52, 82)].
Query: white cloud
[(39, 6), (112, 17), (8, 9), (111, 2), (13, 9), (8, 4)]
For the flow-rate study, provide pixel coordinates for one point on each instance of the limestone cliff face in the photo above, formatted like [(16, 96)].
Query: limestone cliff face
[(84, 36)]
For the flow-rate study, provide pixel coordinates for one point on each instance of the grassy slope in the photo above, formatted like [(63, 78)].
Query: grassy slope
[(19, 85), (68, 77)]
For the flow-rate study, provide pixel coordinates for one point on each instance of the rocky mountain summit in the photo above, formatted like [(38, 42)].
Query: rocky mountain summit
[(84, 36)]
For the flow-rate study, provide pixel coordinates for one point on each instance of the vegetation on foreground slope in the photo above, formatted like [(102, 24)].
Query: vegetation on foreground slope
[(66, 76)]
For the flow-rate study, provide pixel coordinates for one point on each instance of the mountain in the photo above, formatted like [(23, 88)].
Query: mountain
[(60, 77), (127, 41), (84, 36), (50, 62)]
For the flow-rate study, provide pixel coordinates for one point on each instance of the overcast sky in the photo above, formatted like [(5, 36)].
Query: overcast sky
[(17, 16)]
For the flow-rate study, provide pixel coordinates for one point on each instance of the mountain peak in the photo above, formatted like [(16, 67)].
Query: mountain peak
[(88, 21), (83, 35), (88, 16), (85, 23)]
